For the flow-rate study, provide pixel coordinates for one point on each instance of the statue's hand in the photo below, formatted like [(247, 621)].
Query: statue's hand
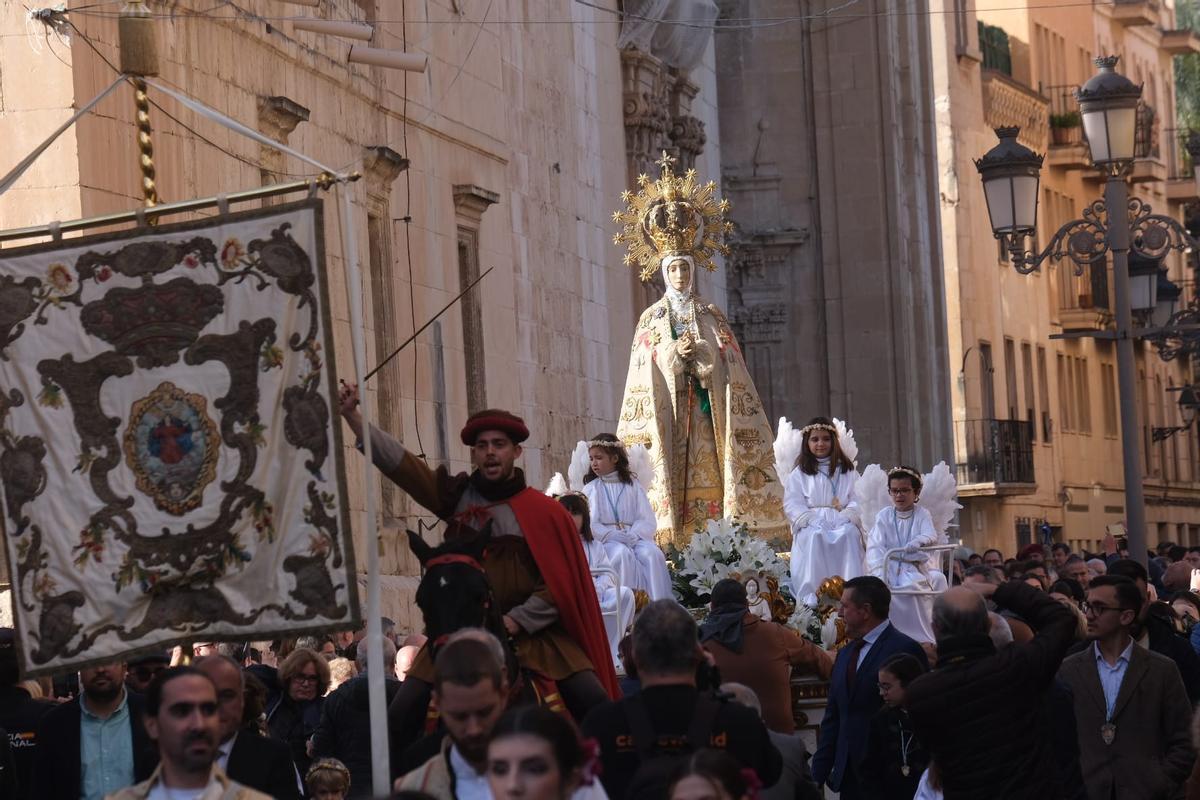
[(686, 346)]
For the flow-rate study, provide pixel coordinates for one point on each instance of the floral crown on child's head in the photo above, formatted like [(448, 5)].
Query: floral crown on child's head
[(817, 426), (896, 472), (614, 445), (329, 765)]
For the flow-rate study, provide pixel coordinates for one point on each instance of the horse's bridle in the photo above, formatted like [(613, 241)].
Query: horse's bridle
[(453, 558)]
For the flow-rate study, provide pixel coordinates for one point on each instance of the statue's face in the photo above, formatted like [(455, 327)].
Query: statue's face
[(752, 588), (679, 273)]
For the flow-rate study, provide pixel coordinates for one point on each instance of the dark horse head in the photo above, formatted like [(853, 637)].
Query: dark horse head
[(454, 591)]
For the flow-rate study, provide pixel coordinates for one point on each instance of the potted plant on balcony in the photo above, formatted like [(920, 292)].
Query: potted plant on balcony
[(1066, 128)]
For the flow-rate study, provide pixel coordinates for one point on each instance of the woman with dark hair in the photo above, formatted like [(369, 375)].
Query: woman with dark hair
[(894, 760), (293, 718), (1068, 590), (622, 518), (818, 501), (536, 754), (616, 607), (711, 775)]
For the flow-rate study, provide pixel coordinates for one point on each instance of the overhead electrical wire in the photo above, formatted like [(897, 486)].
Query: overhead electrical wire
[(721, 24)]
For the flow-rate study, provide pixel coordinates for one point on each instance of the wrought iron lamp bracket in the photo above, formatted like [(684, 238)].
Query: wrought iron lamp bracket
[(1085, 240)]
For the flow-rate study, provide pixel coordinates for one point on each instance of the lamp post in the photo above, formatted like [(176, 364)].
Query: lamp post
[(1109, 228)]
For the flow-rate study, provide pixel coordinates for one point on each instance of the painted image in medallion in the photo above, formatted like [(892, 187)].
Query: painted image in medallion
[(171, 445)]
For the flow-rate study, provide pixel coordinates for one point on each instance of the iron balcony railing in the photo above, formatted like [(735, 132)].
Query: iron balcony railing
[(1179, 161), (1063, 106), (997, 451)]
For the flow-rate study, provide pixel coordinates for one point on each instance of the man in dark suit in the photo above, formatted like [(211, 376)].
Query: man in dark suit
[(247, 757), (854, 689), (95, 745), (1131, 708)]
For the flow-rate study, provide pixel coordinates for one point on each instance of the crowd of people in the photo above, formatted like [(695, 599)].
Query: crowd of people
[(1050, 675)]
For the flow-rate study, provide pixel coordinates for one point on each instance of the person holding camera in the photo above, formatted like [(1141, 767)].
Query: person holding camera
[(676, 713)]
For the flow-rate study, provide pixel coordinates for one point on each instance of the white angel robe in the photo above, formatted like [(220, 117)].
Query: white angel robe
[(826, 541), (624, 522), (618, 616), (912, 569)]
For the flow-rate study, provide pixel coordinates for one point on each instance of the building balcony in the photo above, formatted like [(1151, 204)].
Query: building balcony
[(999, 457), (1180, 42), (1007, 102), (1135, 12), (1181, 175), (1084, 299), (1073, 156)]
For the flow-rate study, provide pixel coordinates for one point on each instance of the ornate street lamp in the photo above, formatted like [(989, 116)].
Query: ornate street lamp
[(1108, 104), (1111, 229), (1010, 172)]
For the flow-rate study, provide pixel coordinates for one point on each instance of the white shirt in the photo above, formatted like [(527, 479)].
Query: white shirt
[(468, 784), (223, 752), (868, 641)]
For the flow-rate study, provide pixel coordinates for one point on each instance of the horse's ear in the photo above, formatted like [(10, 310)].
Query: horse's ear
[(478, 543), (419, 547)]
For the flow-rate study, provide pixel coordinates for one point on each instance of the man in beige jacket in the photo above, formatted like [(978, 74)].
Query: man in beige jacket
[(181, 716)]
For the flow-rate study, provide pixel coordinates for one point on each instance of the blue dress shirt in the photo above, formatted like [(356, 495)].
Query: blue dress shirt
[(105, 750), (1111, 676)]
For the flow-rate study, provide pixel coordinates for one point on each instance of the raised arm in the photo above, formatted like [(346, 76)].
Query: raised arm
[(391, 457)]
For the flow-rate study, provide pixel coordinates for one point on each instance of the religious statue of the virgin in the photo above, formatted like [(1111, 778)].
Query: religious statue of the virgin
[(689, 397)]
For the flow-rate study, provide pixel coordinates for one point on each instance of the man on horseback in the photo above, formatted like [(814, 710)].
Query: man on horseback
[(534, 562)]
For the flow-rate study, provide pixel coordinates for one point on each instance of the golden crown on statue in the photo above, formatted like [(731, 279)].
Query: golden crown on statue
[(672, 216)]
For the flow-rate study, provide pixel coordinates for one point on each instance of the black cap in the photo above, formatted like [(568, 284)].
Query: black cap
[(162, 657), (728, 591)]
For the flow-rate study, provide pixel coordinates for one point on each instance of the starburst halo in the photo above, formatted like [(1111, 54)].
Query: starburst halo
[(672, 215)]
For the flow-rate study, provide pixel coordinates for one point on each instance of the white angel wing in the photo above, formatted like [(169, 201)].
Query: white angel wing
[(580, 465), (871, 492), (939, 496), (642, 465), (788, 442), (846, 441), (557, 486)]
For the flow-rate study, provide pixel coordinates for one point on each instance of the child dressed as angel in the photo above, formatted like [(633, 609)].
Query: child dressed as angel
[(622, 518), (819, 502), (907, 527), (616, 608)]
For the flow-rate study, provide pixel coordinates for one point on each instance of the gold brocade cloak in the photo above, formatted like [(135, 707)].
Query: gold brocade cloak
[(730, 470)]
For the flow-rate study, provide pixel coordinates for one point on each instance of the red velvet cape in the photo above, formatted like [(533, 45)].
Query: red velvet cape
[(558, 551)]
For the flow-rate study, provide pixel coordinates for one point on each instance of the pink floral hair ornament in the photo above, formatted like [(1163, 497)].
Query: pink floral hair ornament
[(592, 768), (754, 784)]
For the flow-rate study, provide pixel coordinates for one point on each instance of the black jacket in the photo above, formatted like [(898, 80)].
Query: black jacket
[(20, 715), (345, 730), (57, 771), (891, 744), (737, 729), (293, 723), (980, 712), (1165, 641), (263, 764)]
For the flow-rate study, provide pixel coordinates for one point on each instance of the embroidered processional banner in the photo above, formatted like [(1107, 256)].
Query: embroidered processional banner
[(169, 455)]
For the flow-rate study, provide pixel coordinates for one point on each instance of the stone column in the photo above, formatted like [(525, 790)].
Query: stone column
[(831, 131)]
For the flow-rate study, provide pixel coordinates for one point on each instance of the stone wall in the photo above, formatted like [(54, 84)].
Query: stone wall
[(515, 134), (836, 285)]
